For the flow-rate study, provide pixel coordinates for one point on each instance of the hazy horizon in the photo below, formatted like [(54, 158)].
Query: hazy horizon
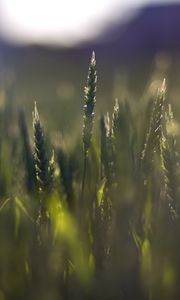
[(65, 23)]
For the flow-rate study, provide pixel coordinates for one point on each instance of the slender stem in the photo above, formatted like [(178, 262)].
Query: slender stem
[(83, 179), (82, 205)]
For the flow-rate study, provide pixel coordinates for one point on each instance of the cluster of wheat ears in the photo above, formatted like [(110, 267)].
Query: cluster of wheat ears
[(103, 221)]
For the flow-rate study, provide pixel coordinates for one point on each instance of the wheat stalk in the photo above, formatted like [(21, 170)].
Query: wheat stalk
[(170, 164), (44, 170), (154, 134), (90, 100), (40, 155)]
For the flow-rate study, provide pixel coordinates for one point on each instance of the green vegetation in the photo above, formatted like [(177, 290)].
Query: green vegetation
[(99, 219)]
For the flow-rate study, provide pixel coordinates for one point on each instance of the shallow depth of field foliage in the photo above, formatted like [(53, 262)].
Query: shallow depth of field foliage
[(98, 218)]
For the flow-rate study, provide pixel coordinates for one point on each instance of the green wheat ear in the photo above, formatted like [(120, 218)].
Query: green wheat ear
[(119, 120), (40, 155), (170, 177), (107, 150), (109, 162), (90, 100), (170, 164), (154, 134), (44, 169)]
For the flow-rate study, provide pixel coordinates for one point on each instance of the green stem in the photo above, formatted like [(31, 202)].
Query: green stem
[(83, 179)]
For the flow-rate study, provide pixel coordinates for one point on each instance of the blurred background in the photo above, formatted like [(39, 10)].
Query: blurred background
[(45, 47)]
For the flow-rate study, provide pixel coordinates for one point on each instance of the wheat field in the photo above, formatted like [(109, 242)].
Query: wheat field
[(94, 215)]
